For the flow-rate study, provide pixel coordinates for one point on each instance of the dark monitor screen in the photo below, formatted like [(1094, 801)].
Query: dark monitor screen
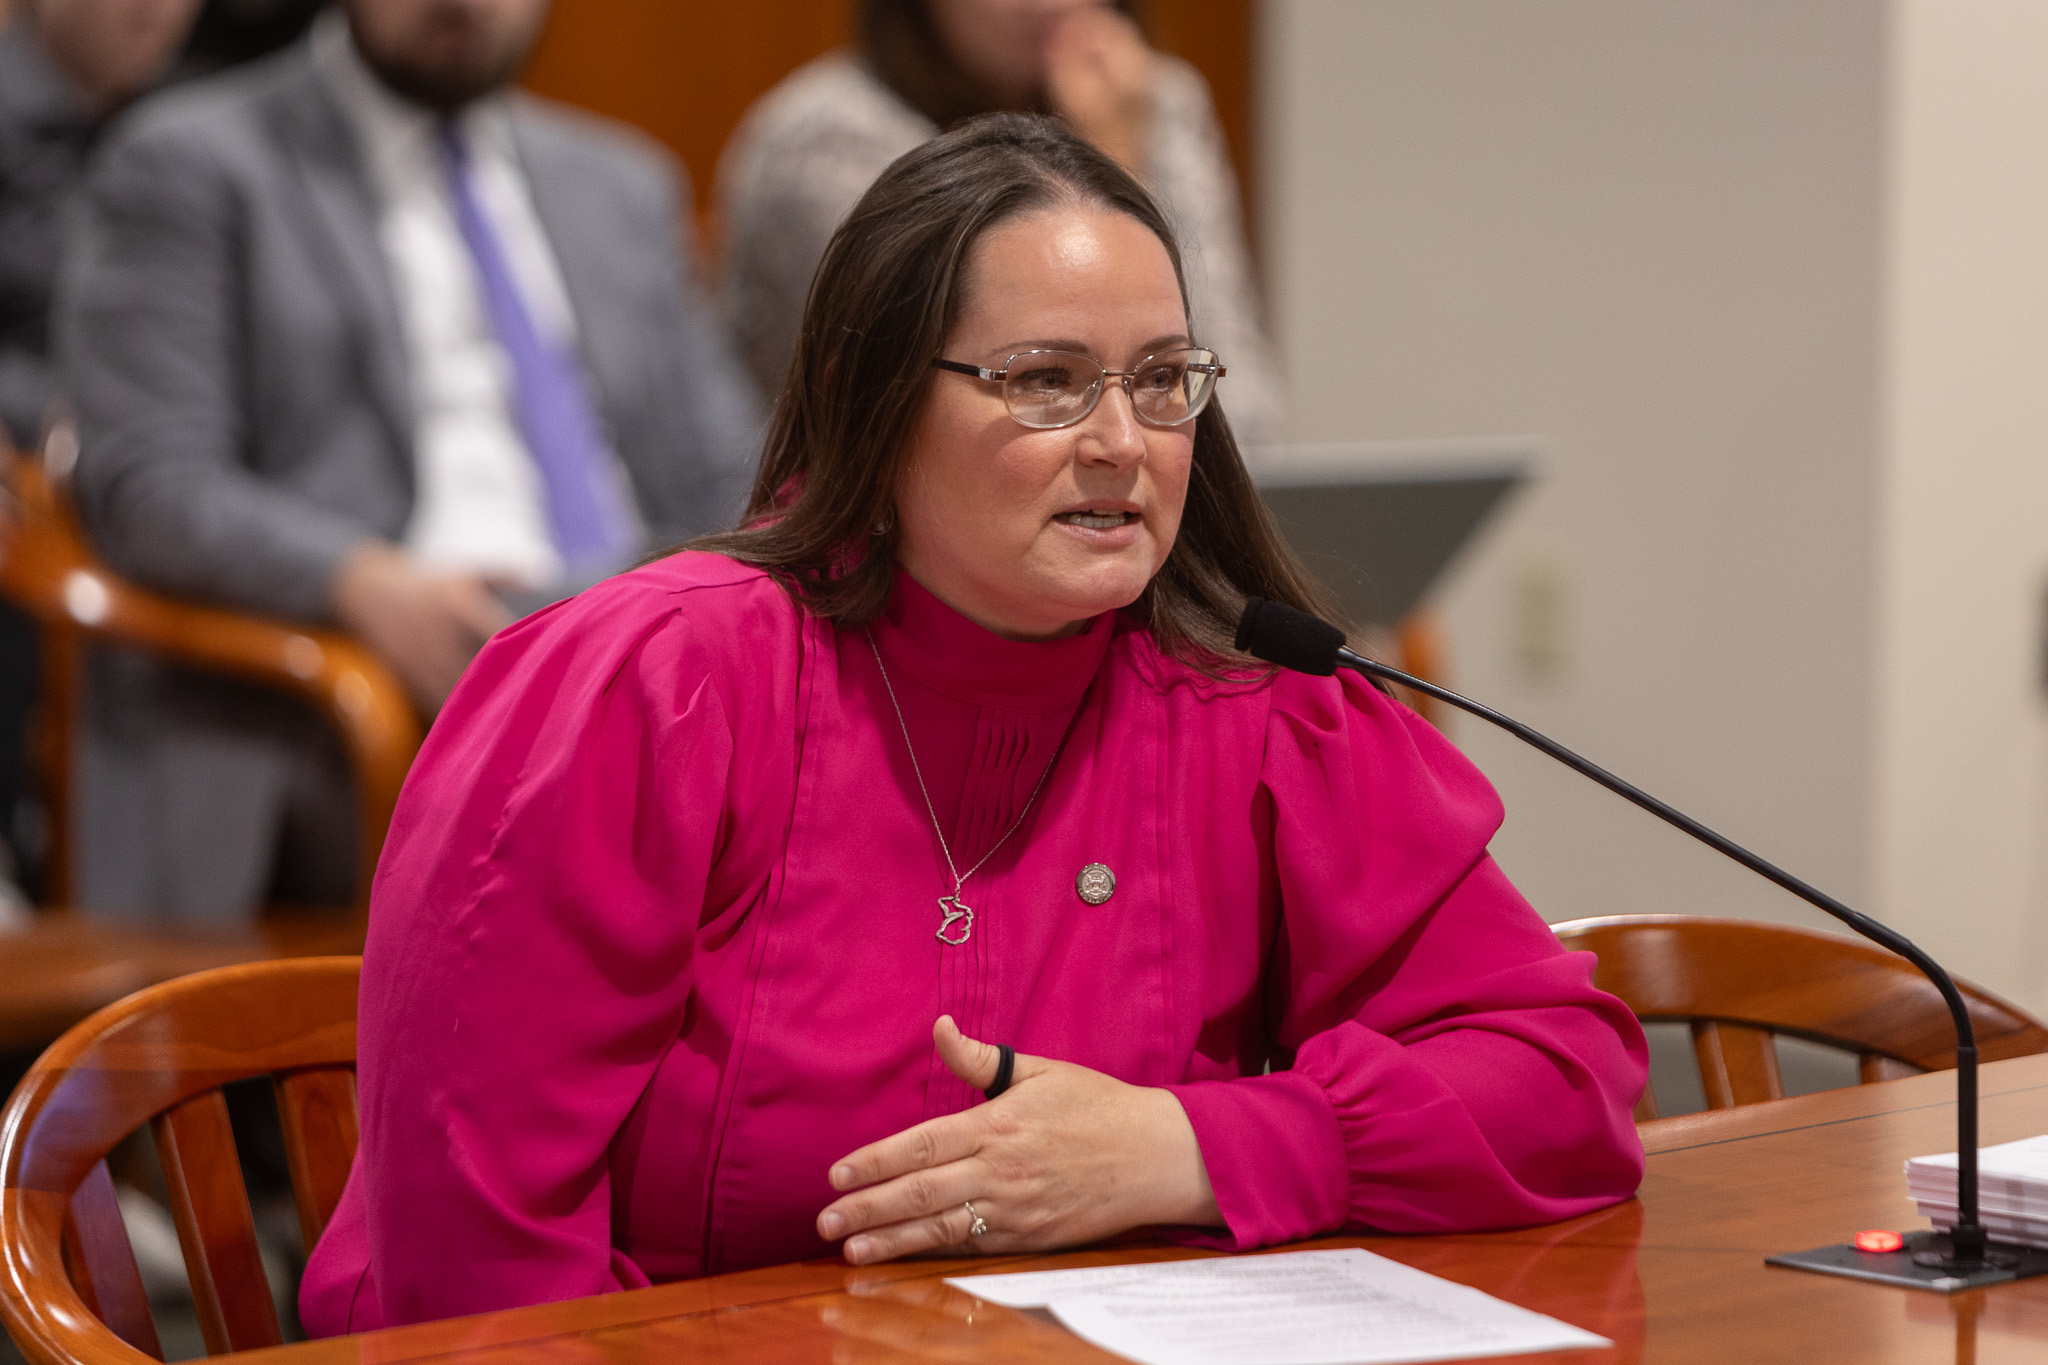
[(1380, 523)]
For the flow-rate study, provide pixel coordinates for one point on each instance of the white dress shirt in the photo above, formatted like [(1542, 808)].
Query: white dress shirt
[(480, 505)]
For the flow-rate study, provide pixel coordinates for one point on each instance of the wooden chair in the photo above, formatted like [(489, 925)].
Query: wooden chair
[(71, 1292), (1738, 983), (48, 568)]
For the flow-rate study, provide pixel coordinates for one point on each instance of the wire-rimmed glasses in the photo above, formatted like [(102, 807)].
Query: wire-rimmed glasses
[(1046, 389)]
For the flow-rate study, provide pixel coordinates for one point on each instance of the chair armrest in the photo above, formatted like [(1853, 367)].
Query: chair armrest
[(48, 569)]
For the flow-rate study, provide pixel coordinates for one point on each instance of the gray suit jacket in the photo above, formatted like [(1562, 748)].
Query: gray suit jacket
[(232, 345), (230, 340)]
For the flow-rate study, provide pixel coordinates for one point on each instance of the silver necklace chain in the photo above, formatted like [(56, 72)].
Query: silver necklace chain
[(954, 910)]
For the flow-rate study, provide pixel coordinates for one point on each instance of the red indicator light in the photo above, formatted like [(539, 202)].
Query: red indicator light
[(1878, 1239)]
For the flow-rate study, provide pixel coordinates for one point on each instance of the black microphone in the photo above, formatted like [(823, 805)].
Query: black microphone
[(1279, 634)]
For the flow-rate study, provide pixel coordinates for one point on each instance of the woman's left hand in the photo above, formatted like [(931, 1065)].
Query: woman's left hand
[(1066, 1155)]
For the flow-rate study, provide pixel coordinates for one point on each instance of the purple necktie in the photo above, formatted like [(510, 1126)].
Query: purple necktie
[(593, 530)]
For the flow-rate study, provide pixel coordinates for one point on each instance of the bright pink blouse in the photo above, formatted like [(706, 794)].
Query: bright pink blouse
[(653, 943)]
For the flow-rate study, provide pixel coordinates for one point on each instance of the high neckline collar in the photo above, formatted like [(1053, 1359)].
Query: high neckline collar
[(922, 636)]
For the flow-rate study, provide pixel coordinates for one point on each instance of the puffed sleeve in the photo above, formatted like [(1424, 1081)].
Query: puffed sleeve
[(1453, 1068), (529, 958)]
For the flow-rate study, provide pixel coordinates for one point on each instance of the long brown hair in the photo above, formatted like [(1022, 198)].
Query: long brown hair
[(822, 517)]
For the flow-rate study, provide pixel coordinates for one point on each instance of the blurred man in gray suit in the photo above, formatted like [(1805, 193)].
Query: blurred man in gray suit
[(357, 334)]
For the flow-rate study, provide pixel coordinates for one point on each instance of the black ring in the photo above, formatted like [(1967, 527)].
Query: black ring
[(1003, 1070)]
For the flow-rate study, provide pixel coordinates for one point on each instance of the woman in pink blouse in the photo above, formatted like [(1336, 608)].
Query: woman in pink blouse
[(917, 868)]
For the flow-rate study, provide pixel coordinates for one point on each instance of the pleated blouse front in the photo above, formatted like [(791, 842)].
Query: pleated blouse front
[(655, 940)]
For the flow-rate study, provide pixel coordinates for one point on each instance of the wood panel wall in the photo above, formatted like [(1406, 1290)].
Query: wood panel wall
[(682, 70), (686, 70)]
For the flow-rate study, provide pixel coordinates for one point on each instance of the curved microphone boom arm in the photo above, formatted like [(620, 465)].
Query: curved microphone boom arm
[(1281, 635)]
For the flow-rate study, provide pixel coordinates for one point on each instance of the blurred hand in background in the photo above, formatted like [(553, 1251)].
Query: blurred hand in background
[(1099, 77), (1080, 59), (427, 623)]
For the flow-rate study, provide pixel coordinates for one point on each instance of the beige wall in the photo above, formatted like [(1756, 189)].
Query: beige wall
[(1959, 825), (1772, 280), (1650, 234)]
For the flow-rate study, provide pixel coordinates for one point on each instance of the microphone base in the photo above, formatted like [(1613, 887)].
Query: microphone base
[(1924, 1262)]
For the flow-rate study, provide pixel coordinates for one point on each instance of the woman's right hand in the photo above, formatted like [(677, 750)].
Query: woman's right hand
[(1099, 78), (1066, 1155)]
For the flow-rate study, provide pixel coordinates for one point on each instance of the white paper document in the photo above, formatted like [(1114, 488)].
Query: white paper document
[(1039, 1288), (2012, 1189), (1346, 1307)]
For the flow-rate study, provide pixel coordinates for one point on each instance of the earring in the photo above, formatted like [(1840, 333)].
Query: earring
[(883, 525)]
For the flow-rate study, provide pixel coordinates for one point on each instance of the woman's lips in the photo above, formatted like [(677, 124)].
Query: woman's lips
[(1103, 529), (1096, 520)]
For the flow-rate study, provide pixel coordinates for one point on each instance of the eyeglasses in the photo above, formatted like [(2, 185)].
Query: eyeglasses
[(1048, 389)]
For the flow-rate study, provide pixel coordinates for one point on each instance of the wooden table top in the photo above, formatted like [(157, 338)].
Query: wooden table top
[(62, 965), (1674, 1276)]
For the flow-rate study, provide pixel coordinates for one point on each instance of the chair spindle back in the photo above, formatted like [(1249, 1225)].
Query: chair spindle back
[(159, 1058), (1739, 983)]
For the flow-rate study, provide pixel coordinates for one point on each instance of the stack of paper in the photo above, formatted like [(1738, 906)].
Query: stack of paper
[(1345, 1307), (2012, 1189)]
